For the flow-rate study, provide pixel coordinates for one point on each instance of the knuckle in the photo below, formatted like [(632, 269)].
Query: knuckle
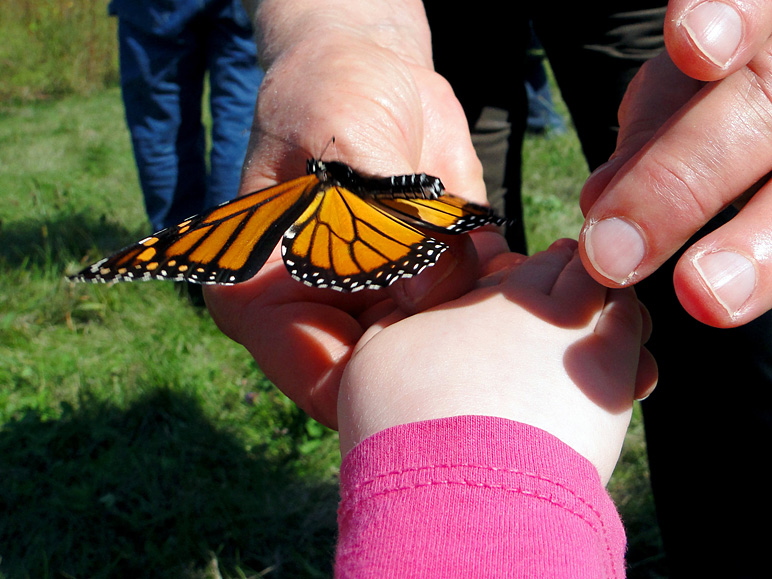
[(691, 191)]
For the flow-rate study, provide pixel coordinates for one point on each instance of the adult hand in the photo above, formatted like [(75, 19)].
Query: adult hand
[(362, 73), (686, 150)]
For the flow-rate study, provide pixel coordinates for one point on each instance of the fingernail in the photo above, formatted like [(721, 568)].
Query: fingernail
[(716, 30), (615, 248), (730, 277)]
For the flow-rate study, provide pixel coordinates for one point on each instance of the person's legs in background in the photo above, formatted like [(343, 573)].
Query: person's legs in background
[(163, 73), (234, 79), (542, 119), (162, 85), (482, 53)]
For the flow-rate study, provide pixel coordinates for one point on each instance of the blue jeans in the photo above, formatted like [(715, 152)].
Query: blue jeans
[(164, 58)]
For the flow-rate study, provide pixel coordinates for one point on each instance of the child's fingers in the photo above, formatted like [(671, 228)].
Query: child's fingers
[(541, 271), (610, 358), (647, 376)]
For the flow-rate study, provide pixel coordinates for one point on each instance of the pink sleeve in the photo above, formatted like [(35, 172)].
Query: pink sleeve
[(474, 496)]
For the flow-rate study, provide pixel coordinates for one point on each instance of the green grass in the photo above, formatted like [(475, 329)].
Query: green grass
[(52, 48), (135, 439), (553, 172)]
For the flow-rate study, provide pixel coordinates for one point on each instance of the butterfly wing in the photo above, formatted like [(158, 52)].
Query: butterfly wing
[(445, 214), (347, 243), (334, 236), (225, 245)]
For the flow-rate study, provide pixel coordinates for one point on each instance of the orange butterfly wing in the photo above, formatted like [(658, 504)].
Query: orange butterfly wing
[(347, 243), (341, 230), (225, 245), (445, 214)]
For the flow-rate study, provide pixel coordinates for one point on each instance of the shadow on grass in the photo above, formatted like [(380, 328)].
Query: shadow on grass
[(77, 236), (154, 490)]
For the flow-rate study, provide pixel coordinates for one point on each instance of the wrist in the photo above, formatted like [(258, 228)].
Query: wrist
[(397, 25)]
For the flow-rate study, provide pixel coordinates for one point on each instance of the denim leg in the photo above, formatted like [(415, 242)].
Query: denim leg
[(234, 78), (162, 84)]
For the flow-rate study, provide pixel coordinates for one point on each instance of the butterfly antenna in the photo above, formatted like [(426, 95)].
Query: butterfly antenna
[(331, 142)]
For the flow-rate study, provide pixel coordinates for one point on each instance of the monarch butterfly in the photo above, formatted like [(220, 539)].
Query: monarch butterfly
[(340, 230)]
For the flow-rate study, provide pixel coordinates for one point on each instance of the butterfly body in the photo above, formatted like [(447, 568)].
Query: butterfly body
[(339, 230), (416, 185)]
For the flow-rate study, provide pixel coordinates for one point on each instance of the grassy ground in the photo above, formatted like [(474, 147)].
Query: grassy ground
[(52, 48), (135, 440)]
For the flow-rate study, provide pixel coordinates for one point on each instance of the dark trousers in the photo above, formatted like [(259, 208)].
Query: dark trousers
[(709, 423)]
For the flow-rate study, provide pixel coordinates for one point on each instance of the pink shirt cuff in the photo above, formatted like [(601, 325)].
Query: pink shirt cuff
[(474, 496)]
